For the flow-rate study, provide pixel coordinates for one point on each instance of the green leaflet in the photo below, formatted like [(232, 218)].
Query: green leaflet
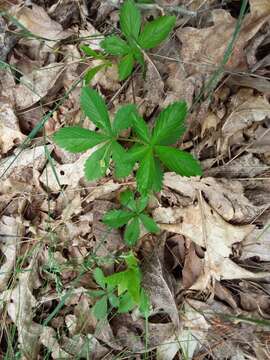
[(132, 232), (76, 139), (178, 161), (125, 66), (117, 218), (169, 125), (114, 45), (130, 19), (156, 31), (96, 165)]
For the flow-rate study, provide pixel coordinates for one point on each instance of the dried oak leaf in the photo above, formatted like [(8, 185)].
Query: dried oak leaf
[(189, 339), (37, 21), (205, 227), (204, 49), (10, 134), (156, 281), (10, 232), (226, 198), (257, 244), (35, 86)]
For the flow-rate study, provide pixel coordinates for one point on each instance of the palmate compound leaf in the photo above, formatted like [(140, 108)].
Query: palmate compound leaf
[(130, 19), (76, 139), (156, 31), (169, 127)]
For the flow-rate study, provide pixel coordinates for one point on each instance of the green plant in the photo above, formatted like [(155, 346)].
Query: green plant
[(90, 73), (132, 216), (136, 40), (150, 148), (127, 286)]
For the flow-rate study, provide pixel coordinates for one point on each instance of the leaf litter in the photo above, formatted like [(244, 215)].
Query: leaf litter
[(211, 259)]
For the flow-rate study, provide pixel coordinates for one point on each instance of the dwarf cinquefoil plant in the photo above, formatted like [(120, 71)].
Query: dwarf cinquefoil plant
[(132, 215), (151, 149), (121, 290), (130, 47)]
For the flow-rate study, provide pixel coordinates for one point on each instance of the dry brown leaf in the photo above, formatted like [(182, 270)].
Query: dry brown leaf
[(161, 293), (243, 166), (10, 233), (10, 134), (192, 267), (107, 241), (257, 243), (203, 49), (188, 339), (261, 7), (225, 197), (35, 86), (23, 168), (20, 303), (253, 109), (66, 174), (206, 227), (37, 21)]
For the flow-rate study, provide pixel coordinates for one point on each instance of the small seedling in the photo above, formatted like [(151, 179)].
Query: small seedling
[(132, 216), (150, 148), (136, 40), (127, 285)]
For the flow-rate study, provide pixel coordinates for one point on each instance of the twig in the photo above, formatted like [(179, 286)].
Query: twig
[(167, 8)]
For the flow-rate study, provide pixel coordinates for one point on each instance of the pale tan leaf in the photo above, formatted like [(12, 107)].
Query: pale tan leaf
[(254, 109), (10, 134), (37, 21), (158, 288), (10, 233), (206, 227), (188, 339), (35, 86)]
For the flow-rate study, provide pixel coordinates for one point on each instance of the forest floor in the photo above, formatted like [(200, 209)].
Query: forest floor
[(207, 272)]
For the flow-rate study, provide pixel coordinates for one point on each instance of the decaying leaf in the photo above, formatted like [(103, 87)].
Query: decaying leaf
[(35, 86), (33, 159), (37, 21), (227, 198), (10, 232), (160, 292), (10, 134), (206, 227), (189, 339), (252, 109), (257, 244), (203, 49)]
